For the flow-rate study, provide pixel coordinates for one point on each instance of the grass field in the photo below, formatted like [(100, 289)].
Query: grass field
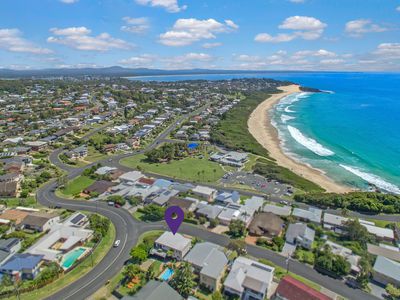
[(77, 185), (94, 155), (192, 169), (83, 268), (14, 202)]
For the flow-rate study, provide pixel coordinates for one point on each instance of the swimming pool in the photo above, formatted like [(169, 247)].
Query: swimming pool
[(71, 257), (167, 274)]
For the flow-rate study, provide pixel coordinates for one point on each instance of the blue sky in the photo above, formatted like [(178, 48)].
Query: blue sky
[(178, 34)]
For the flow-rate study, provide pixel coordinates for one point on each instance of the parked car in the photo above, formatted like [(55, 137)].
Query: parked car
[(110, 203), (116, 243)]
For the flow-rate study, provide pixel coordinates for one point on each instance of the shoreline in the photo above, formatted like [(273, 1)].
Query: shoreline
[(260, 127)]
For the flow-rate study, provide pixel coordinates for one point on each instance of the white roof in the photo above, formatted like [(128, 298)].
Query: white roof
[(204, 190), (312, 214), (334, 219), (104, 170), (131, 176), (173, 241), (244, 270), (278, 210), (379, 231)]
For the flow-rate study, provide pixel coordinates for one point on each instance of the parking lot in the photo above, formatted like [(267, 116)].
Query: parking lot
[(258, 183)]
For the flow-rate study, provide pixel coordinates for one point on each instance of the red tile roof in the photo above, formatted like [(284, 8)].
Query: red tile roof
[(148, 181), (292, 289)]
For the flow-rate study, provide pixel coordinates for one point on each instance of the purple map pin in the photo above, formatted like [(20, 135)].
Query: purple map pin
[(174, 217)]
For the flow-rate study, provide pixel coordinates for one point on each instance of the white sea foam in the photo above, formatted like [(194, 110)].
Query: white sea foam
[(288, 110), (373, 179), (309, 143), (285, 118)]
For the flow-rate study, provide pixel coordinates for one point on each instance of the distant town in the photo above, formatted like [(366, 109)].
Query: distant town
[(90, 164)]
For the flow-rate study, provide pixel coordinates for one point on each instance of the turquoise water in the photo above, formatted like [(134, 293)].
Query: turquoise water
[(352, 133), (71, 257), (167, 274)]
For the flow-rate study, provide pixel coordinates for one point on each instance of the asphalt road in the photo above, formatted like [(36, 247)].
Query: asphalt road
[(128, 231)]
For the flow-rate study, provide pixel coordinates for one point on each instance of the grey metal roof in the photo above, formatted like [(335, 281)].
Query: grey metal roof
[(208, 257), (387, 267)]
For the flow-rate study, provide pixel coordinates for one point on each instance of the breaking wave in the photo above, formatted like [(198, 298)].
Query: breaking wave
[(373, 179), (285, 118), (309, 143)]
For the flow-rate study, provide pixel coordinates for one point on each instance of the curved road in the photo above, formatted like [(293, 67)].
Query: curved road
[(129, 229)]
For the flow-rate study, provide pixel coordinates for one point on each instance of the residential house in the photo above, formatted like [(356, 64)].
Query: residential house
[(36, 145), (300, 234), (22, 265), (209, 261), (8, 247), (386, 271), (293, 289), (14, 215), (311, 215), (347, 254), (210, 212), (283, 211), (163, 197), (227, 197), (78, 153), (65, 235), (386, 234), (39, 222), (255, 203), (205, 192), (266, 224), (99, 187), (248, 279), (335, 223), (187, 204), (9, 189), (174, 244), (384, 250), (236, 212), (130, 177), (155, 290)]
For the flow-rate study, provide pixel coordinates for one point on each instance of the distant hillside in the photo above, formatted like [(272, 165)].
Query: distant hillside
[(110, 71)]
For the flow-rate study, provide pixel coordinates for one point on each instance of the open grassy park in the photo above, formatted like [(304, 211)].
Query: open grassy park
[(190, 168)]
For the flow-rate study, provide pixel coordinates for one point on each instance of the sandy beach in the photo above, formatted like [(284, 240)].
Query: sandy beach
[(266, 134)]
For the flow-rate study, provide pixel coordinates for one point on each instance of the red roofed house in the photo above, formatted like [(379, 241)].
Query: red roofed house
[(292, 289), (145, 181)]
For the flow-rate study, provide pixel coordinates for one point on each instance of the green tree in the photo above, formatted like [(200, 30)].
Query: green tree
[(393, 292), (183, 281), (332, 263), (237, 245), (117, 199), (131, 271), (237, 228), (216, 296), (356, 232), (139, 254), (153, 213)]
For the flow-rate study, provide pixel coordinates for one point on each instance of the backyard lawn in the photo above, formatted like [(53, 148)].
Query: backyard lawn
[(94, 155), (77, 185), (192, 169)]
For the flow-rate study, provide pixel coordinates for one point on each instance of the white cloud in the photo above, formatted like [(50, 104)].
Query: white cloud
[(187, 31), (211, 45), (307, 28), (188, 60), (143, 60), (79, 38), (334, 61), (388, 50), (135, 25), (398, 8), (69, 1), (358, 27), (267, 38), (297, 1), (317, 53), (170, 5), (12, 40)]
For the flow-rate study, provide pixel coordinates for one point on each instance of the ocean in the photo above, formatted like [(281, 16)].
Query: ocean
[(351, 132)]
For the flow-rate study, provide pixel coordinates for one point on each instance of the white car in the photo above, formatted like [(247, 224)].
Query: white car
[(116, 243)]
